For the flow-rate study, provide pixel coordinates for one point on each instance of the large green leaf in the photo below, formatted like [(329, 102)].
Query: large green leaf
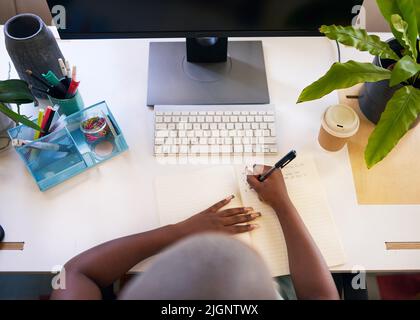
[(343, 75), (15, 91), (18, 118), (417, 8), (403, 70), (401, 27), (400, 113), (408, 10), (359, 39)]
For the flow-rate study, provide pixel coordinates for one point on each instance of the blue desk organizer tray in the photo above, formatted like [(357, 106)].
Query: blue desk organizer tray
[(83, 150)]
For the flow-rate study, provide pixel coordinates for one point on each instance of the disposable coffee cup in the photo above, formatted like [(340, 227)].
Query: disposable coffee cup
[(339, 124)]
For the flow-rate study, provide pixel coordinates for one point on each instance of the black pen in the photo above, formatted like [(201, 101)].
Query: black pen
[(279, 165)]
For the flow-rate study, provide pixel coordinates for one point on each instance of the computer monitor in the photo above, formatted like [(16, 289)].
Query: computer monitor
[(206, 68)]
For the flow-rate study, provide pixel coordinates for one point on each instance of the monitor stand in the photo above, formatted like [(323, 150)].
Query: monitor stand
[(219, 72)]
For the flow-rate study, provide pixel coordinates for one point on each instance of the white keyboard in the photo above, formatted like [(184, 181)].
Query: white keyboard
[(210, 130)]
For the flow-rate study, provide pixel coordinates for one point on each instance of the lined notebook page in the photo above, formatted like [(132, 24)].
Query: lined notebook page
[(268, 240), (181, 196), (306, 192)]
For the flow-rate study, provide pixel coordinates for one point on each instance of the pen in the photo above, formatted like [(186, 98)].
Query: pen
[(68, 68), (279, 165), (63, 67)]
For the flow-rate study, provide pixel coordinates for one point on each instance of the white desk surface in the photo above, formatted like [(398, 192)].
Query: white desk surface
[(117, 198)]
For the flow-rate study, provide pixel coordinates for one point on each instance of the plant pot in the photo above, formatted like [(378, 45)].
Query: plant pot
[(31, 45), (374, 96)]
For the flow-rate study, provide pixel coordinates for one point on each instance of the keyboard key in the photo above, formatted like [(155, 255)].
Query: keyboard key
[(268, 119), (230, 126), (238, 149), (159, 141), (224, 133), (225, 149), (242, 119), (246, 126), (215, 133), (213, 126), (250, 119), (183, 149), (161, 126), (162, 134), (248, 148), (158, 119)]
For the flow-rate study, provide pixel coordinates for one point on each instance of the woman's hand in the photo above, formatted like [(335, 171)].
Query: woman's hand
[(273, 190), (235, 220)]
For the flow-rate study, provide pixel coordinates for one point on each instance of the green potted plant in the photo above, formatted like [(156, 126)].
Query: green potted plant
[(394, 75), (15, 92)]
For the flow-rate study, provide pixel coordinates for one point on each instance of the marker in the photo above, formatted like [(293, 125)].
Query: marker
[(47, 146), (39, 122), (279, 165)]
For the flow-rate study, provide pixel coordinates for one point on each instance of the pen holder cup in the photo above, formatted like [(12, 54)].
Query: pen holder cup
[(68, 106), (50, 159)]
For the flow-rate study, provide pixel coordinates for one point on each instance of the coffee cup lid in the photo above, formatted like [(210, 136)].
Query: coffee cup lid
[(341, 121)]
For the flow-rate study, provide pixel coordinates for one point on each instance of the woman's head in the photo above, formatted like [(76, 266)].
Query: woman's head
[(209, 266)]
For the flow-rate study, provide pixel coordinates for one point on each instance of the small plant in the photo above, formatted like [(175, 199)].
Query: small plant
[(403, 108), (16, 92)]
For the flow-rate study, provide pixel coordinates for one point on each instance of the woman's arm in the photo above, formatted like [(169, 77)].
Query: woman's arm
[(310, 275), (101, 266)]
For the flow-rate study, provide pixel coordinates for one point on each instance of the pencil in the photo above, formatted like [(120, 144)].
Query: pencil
[(41, 81)]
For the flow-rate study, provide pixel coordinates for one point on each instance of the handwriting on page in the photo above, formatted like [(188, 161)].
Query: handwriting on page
[(305, 190), (268, 240)]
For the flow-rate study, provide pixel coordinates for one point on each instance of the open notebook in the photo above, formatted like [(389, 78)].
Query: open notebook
[(202, 188)]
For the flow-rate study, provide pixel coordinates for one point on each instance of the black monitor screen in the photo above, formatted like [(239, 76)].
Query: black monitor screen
[(196, 18)]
